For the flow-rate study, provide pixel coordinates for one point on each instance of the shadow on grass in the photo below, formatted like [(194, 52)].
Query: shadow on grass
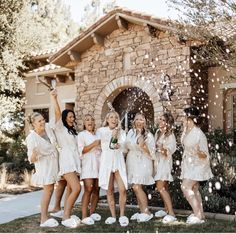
[(31, 224)]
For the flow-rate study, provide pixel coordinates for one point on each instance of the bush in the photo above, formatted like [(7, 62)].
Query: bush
[(219, 193), (16, 155)]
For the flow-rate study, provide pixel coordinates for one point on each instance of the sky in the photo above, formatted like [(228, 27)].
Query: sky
[(158, 8)]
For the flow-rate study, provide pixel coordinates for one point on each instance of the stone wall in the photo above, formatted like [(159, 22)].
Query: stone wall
[(132, 58)]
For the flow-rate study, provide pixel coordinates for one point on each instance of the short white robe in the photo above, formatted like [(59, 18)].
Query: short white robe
[(111, 160), (46, 168), (91, 160), (163, 164), (69, 160), (193, 167), (139, 164)]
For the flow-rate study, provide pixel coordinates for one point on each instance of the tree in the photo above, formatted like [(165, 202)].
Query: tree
[(212, 23), (94, 10), (26, 26)]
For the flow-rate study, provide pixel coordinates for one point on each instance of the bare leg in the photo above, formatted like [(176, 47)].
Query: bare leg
[(122, 193), (88, 187), (73, 184), (199, 198), (60, 188), (142, 198), (161, 187), (47, 194), (187, 188), (94, 197), (165, 206), (110, 196)]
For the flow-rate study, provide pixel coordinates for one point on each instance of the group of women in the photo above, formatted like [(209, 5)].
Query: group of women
[(110, 159)]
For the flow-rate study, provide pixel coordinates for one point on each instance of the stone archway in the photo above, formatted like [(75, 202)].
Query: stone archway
[(130, 101), (116, 86)]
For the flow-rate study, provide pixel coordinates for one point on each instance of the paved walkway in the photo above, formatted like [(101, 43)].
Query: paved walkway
[(18, 206)]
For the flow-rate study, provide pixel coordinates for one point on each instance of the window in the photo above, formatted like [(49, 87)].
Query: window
[(44, 112), (70, 106)]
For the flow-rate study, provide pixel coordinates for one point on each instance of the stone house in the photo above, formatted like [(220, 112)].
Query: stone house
[(138, 63)]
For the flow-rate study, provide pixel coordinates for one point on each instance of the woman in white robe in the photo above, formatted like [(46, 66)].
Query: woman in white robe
[(69, 160), (195, 165), (165, 147), (112, 166), (141, 153), (90, 153), (41, 145)]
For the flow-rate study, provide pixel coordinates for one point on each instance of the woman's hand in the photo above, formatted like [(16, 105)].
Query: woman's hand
[(96, 143), (34, 156), (163, 151), (54, 93), (200, 153)]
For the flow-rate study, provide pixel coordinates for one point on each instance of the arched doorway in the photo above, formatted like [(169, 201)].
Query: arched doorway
[(130, 101)]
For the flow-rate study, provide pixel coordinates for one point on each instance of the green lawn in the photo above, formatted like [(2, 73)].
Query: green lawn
[(31, 224)]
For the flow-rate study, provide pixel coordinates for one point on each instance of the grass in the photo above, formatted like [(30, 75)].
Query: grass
[(31, 224)]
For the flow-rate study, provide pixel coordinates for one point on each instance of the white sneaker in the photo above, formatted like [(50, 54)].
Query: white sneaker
[(110, 220), (70, 223), (191, 215), (96, 216), (58, 214), (160, 214), (169, 219), (124, 221), (143, 217), (134, 216), (195, 220), (87, 221), (76, 218), (50, 223)]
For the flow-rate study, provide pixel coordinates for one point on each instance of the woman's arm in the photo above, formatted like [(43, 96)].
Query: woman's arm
[(57, 109), (34, 157), (89, 147)]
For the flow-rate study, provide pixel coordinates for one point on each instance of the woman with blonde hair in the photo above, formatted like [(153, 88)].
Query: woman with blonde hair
[(112, 169), (141, 153), (41, 145), (165, 147), (89, 149)]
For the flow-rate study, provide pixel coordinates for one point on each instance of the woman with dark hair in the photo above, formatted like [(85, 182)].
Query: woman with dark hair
[(141, 151), (165, 147), (195, 163), (69, 161), (89, 149)]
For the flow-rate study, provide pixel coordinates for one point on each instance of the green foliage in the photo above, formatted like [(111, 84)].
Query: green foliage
[(27, 26), (16, 155), (220, 142), (218, 192)]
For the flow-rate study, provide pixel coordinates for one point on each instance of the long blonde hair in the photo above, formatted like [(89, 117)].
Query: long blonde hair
[(169, 119), (85, 116), (144, 131), (32, 116), (105, 123)]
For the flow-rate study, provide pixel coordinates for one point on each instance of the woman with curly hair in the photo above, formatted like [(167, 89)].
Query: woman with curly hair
[(165, 147), (141, 153)]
